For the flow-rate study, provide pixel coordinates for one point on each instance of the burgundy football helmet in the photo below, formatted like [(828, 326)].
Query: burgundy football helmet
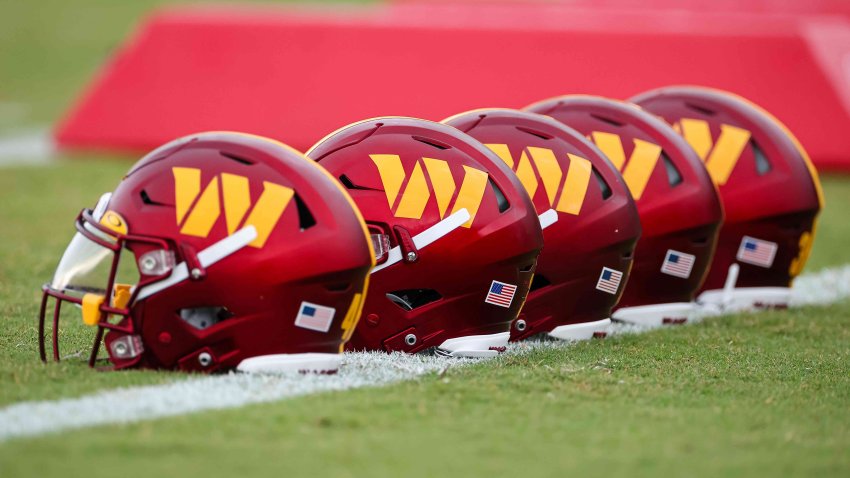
[(678, 204), (769, 189), (590, 220), (217, 251), (457, 235)]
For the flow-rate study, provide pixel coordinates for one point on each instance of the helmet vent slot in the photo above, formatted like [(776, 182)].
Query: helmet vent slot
[(501, 200), (411, 299), (527, 267), (432, 142), (674, 177), (204, 317), (349, 184), (535, 133), (305, 217), (147, 199), (236, 158), (701, 109), (603, 186), (762, 164), (539, 282), (607, 120), (338, 287)]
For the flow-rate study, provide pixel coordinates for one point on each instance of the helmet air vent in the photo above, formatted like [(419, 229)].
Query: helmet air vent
[(238, 159), (700, 109), (674, 177), (432, 142), (305, 217), (500, 197), (535, 133), (147, 199), (607, 120), (349, 184), (411, 299), (603, 186), (762, 164)]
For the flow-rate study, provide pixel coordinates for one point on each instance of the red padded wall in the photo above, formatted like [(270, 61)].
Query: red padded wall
[(297, 75)]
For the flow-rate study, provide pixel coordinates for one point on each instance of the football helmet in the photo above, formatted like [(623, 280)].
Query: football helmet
[(217, 251), (457, 236), (591, 222), (769, 189), (678, 204)]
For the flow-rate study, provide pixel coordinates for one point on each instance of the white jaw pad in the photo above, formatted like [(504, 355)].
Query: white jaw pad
[(476, 346), (656, 315), (427, 236), (745, 299), (291, 363), (582, 331)]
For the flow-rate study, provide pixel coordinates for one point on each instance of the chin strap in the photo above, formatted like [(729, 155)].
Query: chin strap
[(426, 237), (729, 286), (207, 257)]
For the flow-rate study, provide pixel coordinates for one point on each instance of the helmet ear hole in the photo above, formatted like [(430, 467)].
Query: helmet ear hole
[(411, 299), (204, 317), (539, 282)]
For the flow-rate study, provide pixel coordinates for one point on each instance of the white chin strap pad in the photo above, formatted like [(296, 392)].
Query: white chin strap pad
[(656, 315), (582, 331), (478, 346), (291, 363), (745, 299)]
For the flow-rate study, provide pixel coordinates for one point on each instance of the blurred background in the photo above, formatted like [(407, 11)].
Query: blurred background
[(96, 75)]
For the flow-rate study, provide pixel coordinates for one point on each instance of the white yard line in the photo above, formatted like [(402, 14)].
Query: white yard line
[(27, 147), (127, 405)]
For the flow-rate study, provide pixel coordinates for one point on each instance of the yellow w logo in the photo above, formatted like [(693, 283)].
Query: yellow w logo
[(411, 204), (720, 157), (641, 163), (549, 171), (198, 211)]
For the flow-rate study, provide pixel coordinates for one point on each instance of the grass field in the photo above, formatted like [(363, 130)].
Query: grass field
[(748, 395)]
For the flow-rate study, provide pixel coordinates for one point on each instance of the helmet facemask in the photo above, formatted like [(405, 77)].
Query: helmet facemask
[(97, 275)]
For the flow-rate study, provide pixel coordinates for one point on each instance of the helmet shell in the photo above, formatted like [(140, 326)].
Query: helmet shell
[(597, 224), (311, 247), (407, 175), (678, 204), (769, 188)]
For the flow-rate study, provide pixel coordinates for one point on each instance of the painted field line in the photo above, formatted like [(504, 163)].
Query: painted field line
[(27, 147), (128, 405)]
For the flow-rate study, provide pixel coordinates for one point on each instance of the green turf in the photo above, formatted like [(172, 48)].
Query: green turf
[(742, 395), (763, 395)]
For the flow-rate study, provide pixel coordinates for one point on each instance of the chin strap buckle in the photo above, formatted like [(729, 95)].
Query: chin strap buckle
[(196, 270), (409, 252)]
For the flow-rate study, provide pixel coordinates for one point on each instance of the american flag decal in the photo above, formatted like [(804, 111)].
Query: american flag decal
[(678, 264), (757, 252), (609, 280), (315, 317), (501, 294)]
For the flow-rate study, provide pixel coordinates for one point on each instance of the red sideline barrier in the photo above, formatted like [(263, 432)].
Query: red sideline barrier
[(804, 7), (297, 76)]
